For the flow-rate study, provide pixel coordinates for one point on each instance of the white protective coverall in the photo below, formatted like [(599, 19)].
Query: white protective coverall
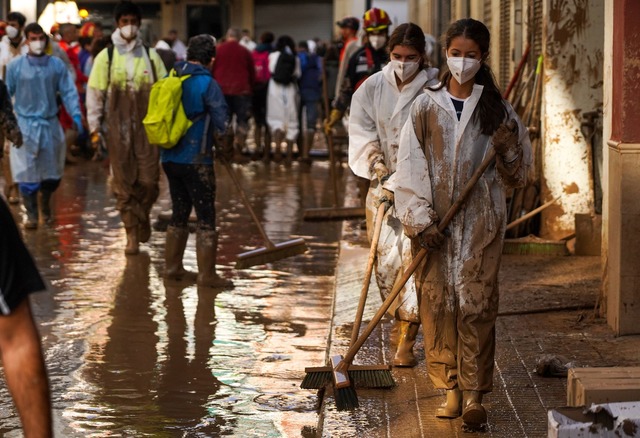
[(378, 112), (459, 282), (282, 102), (34, 82)]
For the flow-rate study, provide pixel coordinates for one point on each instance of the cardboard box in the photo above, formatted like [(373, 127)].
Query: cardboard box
[(599, 421), (602, 385)]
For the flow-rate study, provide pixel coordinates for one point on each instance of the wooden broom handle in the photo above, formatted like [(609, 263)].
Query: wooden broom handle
[(269, 244), (377, 228), (354, 348)]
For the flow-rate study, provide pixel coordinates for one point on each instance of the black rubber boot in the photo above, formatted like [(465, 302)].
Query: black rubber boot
[(30, 203)]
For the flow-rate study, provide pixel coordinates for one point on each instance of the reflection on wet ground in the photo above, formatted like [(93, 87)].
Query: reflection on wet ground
[(131, 356)]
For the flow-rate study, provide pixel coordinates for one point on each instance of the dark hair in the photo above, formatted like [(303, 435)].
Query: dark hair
[(201, 48), (126, 7), (285, 41), (99, 45), (18, 17), (408, 35), (267, 38), (35, 29), (491, 110), (303, 45)]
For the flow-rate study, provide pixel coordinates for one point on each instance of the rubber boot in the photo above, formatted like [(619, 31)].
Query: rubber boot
[(30, 203), (278, 137), (393, 333), (257, 138), (227, 146), (206, 254), (452, 407), (176, 242), (473, 413), (238, 147), (133, 243), (266, 152), (307, 143), (289, 158), (45, 206), (144, 231), (406, 339)]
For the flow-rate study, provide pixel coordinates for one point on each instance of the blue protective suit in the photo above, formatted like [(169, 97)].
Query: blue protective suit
[(201, 95), (34, 82)]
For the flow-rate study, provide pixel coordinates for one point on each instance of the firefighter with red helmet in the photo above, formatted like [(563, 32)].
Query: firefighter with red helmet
[(369, 59)]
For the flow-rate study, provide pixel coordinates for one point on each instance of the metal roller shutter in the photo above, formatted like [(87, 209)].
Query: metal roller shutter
[(505, 43), (300, 20)]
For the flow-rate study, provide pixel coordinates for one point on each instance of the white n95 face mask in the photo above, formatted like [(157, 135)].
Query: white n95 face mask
[(377, 41), (12, 32), (404, 70), (463, 69), (37, 47), (129, 31)]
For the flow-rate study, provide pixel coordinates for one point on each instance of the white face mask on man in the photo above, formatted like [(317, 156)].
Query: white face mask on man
[(377, 41), (12, 32), (37, 47), (129, 32), (404, 70), (463, 69)]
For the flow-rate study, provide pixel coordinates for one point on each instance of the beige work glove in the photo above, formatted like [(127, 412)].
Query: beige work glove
[(335, 115)]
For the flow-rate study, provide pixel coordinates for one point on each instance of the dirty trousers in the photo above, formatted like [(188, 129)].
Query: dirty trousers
[(393, 258), (458, 321), (135, 164)]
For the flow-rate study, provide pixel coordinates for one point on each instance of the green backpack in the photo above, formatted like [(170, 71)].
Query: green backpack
[(166, 122)]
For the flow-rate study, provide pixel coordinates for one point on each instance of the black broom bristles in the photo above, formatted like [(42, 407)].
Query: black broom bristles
[(319, 377), (346, 398)]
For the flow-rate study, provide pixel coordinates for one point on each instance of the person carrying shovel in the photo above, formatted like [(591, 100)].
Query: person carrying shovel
[(379, 109), (451, 128)]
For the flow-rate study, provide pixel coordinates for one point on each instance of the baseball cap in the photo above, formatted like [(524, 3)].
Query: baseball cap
[(350, 22)]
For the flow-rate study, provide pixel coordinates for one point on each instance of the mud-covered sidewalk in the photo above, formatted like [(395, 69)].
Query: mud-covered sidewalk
[(546, 308)]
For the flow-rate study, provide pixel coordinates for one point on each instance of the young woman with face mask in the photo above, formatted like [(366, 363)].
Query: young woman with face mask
[(450, 130), (379, 109)]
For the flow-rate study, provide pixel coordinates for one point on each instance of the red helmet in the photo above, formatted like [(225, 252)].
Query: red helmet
[(375, 19), (87, 29)]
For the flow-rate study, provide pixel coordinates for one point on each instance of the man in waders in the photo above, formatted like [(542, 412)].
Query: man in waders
[(117, 96)]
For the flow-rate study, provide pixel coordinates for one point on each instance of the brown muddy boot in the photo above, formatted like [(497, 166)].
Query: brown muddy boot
[(257, 138), (176, 242), (132, 247), (406, 339), (473, 413), (206, 253), (278, 137), (144, 231), (393, 333), (30, 203), (452, 408)]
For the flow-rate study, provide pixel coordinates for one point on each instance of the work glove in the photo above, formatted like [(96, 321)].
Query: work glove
[(387, 196), (431, 238), (381, 171), (335, 115), (96, 145), (505, 141), (14, 135), (77, 121)]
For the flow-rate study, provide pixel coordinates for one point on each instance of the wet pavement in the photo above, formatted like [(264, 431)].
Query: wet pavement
[(130, 356), (546, 308)]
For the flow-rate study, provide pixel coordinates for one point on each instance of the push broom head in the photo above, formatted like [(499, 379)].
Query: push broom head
[(343, 389), (266, 255), (334, 214)]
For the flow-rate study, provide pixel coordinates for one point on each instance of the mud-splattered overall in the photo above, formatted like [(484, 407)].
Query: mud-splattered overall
[(378, 112), (459, 282)]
